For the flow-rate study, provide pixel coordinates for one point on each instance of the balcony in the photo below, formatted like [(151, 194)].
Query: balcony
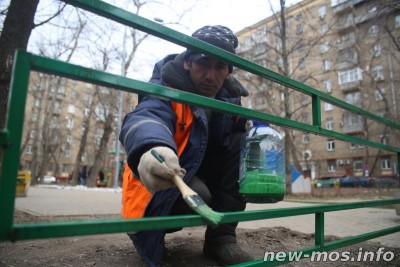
[(344, 25), (351, 86), (353, 128), (349, 43), (365, 17), (341, 5)]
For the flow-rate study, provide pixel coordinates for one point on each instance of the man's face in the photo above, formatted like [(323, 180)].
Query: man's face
[(207, 74)]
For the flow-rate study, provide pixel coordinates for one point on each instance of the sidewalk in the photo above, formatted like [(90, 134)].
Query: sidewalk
[(56, 201)]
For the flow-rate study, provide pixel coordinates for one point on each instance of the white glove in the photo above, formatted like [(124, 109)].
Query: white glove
[(156, 175)]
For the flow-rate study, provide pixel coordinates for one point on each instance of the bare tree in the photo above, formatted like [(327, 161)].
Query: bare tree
[(284, 44)]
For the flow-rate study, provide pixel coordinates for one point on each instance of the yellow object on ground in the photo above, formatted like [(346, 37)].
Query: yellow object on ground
[(23, 183)]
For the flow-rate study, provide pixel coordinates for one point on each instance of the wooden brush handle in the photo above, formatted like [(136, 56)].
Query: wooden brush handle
[(184, 188)]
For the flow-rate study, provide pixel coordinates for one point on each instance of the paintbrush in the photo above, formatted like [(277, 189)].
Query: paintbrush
[(194, 201)]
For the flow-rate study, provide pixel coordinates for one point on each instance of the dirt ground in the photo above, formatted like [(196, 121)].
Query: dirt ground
[(183, 248)]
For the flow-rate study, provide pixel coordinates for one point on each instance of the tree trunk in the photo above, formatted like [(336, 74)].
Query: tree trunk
[(15, 34), (17, 29), (108, 129)]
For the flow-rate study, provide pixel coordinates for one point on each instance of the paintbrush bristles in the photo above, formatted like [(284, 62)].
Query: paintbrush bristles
[(212, 217), (196, 203)]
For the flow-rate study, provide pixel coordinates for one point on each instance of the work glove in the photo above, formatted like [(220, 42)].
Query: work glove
[(156, 175)]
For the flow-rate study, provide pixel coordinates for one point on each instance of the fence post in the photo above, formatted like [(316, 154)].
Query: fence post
[(319, 228)]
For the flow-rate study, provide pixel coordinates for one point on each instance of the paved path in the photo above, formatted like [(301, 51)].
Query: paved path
[(72, 201)]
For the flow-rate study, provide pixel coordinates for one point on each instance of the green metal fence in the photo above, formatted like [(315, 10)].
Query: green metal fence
[(10, 139)]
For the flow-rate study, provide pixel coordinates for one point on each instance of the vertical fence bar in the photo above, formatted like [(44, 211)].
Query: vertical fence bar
[(319, 228), (14, 124), (398, 167), (316, 110)]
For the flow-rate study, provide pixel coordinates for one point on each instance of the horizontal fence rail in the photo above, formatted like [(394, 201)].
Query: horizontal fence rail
[(10, 138)]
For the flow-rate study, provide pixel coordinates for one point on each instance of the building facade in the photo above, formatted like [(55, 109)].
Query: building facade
[(61, 113), (348, 49)]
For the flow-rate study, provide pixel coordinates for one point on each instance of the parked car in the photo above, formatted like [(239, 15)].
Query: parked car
[(326, 181), (48, 179), (354, 181), (383, 182)]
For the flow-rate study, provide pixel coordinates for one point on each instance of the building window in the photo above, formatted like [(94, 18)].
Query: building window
[(352, 145), (53, 122), (376, 50), (306, 138), (385, 164), (83, 157), (374, 30), (328, 106), (68, 139), (353, 98), (322, 12), (97, 140), (70, 123), (28, 150), (330, 145), (34, 117), (326, 65), (328, 86), (379, 94), (299, 29), (87, 98), (301, 46), (304, 117), (377, 73), (71, 109), (383, 138), (324, 47), (397, 21), (329, 123), (302, 63), (32, 134), (323, 28), (349, 76), (381, 113), (65, 168), (357, 165), (331, 165), (67, 153)]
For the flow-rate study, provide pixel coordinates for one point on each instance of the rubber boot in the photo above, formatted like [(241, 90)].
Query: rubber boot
[(225, 251)]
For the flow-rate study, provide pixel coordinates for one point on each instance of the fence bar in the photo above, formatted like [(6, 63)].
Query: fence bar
[(319, 229), (344, 242), (63, 229), (316, 110), (56, 67), (11, 144)]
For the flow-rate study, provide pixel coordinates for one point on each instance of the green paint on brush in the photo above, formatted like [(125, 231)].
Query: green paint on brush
[(194, 201)]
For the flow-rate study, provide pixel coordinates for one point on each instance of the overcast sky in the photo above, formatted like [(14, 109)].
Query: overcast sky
[(235, 14)]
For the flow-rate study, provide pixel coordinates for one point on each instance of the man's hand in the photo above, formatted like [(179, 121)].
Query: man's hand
[(156, 175)]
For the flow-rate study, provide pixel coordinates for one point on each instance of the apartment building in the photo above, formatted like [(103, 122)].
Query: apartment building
[(348, 49), (59, 114)]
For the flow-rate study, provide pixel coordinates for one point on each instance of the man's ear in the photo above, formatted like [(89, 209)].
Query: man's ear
[(186, 64)]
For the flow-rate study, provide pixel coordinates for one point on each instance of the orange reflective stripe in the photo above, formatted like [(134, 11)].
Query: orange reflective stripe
[(135, 196)]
